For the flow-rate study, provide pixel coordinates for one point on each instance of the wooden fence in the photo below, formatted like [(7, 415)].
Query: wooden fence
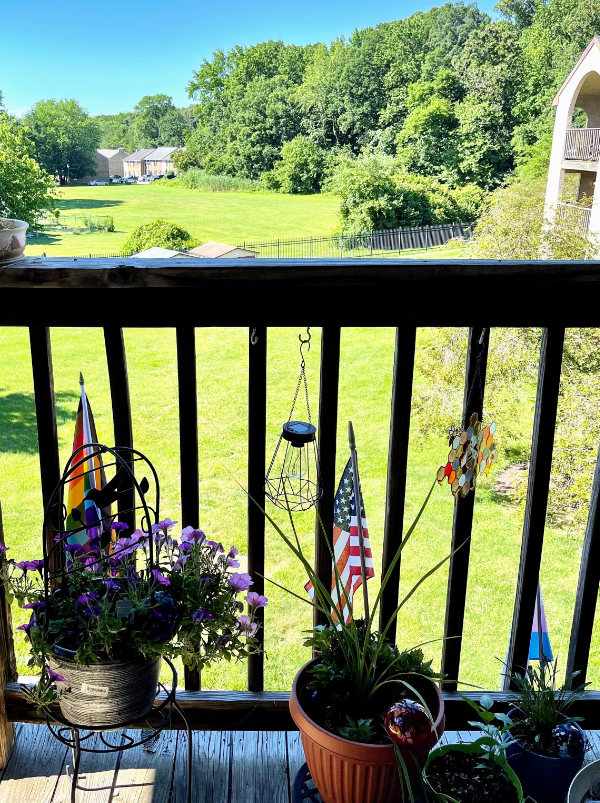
[(40, 293)]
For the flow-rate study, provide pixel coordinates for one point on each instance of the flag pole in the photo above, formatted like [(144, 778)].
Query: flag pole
[(359, 507)]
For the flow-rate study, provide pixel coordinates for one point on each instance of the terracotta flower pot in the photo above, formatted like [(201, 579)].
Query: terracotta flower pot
[(352, 772)]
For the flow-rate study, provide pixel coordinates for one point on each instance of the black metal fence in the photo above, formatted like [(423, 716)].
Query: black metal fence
[(375, 243)]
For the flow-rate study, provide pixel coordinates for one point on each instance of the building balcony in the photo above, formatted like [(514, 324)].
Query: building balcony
[(402, 295), (573, 214), (582, 145)]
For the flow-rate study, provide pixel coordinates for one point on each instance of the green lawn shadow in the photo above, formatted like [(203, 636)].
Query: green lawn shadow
[(43, 239), (85, 203), (18, 425)]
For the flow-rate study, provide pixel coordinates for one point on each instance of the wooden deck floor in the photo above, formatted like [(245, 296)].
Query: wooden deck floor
[(227, 768)]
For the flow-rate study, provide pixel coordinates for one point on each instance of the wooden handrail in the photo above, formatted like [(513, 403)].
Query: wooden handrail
[(582, 144)]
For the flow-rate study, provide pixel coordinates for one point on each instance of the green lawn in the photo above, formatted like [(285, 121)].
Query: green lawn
[(365, 387), (230, 217)]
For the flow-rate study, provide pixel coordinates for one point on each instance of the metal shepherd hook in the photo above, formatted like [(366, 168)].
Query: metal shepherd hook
[(359, 507)]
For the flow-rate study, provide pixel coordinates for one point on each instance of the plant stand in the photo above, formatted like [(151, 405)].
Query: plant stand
[(159, 717)]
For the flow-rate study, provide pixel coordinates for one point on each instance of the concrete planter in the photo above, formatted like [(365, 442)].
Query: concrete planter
[(12, 239)]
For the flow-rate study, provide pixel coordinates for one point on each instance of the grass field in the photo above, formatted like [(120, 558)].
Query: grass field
[(230, 217), (365, 388)]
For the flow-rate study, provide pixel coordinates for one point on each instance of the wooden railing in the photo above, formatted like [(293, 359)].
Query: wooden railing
[(583, 144), (257, 294)]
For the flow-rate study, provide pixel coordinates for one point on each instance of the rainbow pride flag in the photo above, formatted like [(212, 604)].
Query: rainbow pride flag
[(89, 521)]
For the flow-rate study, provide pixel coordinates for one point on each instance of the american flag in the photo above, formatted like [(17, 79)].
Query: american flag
[(346, 546)]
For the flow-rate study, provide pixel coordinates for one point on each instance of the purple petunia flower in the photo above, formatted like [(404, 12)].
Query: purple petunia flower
[(180, 562), (233, 552), (26, 627), (191, 535), (233, 564), (160, 578), (240, 581), (202, 614), (23, 565), (4, 548), (255, 600), (162, 527), (111, 585), (246, 625), (73, 549), (55, 676), (34, 605), (119, 525)]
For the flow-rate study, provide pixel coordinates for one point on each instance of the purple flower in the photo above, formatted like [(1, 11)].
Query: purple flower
[(240, 582), (202, 614), (119, 525), (180, 563), (23, 565), (255, 600), (4, 548), (111, 585), (73, 549), (34, 605), (55, 676), (162, 527), (26, 627), (90, 563), (160, 578), (189, 535), (246, 625), (233, 552), (233, 564)]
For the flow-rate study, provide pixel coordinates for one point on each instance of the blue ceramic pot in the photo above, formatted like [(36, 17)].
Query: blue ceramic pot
[(545, 779)]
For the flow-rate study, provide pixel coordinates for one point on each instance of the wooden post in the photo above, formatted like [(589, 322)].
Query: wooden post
[(8, 670)]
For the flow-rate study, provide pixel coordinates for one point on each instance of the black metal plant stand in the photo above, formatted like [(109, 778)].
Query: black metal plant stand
[(76, 736)]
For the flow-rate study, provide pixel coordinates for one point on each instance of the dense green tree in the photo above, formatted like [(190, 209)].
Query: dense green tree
[(301, 168), (65, 138), (427, 143), (157, 122), (26, 190), (115, 130)]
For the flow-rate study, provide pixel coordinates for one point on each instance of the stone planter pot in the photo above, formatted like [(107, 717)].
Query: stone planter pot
[(106, 693), (352, 772), (12, 239), (584, 780), (544, 778)]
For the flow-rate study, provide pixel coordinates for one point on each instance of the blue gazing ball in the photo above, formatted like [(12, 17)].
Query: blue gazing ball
[(567, 739)]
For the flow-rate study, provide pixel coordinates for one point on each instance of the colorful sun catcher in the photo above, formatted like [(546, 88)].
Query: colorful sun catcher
[(472, 451)]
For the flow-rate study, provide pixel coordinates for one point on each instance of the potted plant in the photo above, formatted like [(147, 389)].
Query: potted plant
[(12, 239), (477, 771), (547, 747), (363, 700), (99, 636), (585, 787)]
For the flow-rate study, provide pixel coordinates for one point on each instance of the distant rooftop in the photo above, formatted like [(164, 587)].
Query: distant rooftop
[(212, 250), (109, 152), (138, 155), (162, 153), (156, 252)]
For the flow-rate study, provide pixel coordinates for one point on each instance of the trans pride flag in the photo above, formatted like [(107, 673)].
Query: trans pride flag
[(88, 515)]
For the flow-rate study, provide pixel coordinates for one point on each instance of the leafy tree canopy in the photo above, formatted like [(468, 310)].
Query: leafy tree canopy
[(65, 138), (26, 190)]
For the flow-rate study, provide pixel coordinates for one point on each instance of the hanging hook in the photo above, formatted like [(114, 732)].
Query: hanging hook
[(253, 337), (481, 339), (305, 340)]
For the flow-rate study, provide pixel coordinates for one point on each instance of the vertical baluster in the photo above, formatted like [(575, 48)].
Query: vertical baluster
[(257, 422), (587, 588), (188, 444), (537, 496), (327, 431), (404, 359), (463, 516), (121, 410), (43, 389), (8, 666)]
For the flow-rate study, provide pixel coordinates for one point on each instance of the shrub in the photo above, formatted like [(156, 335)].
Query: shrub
[(196, 179), (160, 233), (301, 168)]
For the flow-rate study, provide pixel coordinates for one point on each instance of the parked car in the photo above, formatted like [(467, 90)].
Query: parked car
[(144, 180), (115, 179), (129, 180), (97, 182)]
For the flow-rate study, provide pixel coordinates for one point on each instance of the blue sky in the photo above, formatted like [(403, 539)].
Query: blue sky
[(108, 55)]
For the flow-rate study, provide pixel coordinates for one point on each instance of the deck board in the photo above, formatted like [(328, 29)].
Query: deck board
[(240, 767)]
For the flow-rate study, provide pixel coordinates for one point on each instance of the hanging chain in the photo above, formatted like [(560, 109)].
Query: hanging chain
[(476, 378), (302, 378)]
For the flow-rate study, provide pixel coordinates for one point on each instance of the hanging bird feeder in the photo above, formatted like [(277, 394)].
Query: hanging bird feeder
[(293, 481)]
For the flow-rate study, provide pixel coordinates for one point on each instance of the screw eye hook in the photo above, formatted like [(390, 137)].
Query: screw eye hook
[(253, 337)]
